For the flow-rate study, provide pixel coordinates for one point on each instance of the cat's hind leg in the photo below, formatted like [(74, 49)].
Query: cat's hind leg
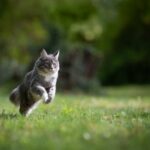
[(36, 95), (14, 97), (33, 107), (26, 108)]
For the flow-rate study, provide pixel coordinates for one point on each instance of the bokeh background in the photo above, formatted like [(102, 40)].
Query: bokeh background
[(101, 42)]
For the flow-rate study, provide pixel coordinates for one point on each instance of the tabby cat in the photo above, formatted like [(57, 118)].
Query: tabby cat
[(39, 85)]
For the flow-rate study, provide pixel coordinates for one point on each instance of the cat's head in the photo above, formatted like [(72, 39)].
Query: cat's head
[(47, 63)]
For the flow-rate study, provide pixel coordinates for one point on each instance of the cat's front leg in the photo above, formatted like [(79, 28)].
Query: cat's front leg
[(51, 94), (39, 93)]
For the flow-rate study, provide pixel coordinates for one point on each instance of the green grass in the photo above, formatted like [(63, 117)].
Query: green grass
[(73, 122)]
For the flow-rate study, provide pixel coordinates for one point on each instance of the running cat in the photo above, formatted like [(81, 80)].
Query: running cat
[(38, 85)]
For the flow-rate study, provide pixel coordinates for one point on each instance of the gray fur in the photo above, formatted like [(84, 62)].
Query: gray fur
[(38, 85)]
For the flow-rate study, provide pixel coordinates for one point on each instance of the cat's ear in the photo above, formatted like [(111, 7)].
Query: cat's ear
[(43, 53), (56, 54)]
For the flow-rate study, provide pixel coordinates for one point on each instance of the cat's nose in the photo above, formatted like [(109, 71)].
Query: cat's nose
[(51, 67)]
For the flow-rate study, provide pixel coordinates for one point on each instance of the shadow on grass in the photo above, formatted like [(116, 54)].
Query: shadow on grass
[(4, 115)]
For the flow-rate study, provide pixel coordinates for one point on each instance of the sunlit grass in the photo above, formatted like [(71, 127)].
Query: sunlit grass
[(79, 122)]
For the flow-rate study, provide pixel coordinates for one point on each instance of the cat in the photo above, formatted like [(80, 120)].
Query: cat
[(38, 85)]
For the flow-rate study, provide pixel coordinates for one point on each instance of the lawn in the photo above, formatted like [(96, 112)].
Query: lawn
[(118, 119)]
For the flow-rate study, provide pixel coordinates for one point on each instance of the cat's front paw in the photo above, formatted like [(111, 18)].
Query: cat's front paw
[(48, 100), (45, 96)]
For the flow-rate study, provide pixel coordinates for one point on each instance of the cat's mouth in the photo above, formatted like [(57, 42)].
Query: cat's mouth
[(49, 70)]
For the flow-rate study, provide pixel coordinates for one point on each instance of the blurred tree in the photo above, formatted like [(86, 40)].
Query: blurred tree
[(118, 30), (126, 44)]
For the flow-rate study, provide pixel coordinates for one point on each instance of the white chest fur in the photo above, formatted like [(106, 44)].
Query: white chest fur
[(51, 78)]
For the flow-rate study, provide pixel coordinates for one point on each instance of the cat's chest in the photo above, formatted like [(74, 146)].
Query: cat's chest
[(50, 79)]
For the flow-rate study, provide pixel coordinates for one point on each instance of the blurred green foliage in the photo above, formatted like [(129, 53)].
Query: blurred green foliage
[(117, 30)]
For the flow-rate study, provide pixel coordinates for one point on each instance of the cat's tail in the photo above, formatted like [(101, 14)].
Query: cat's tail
[(15, 96)]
